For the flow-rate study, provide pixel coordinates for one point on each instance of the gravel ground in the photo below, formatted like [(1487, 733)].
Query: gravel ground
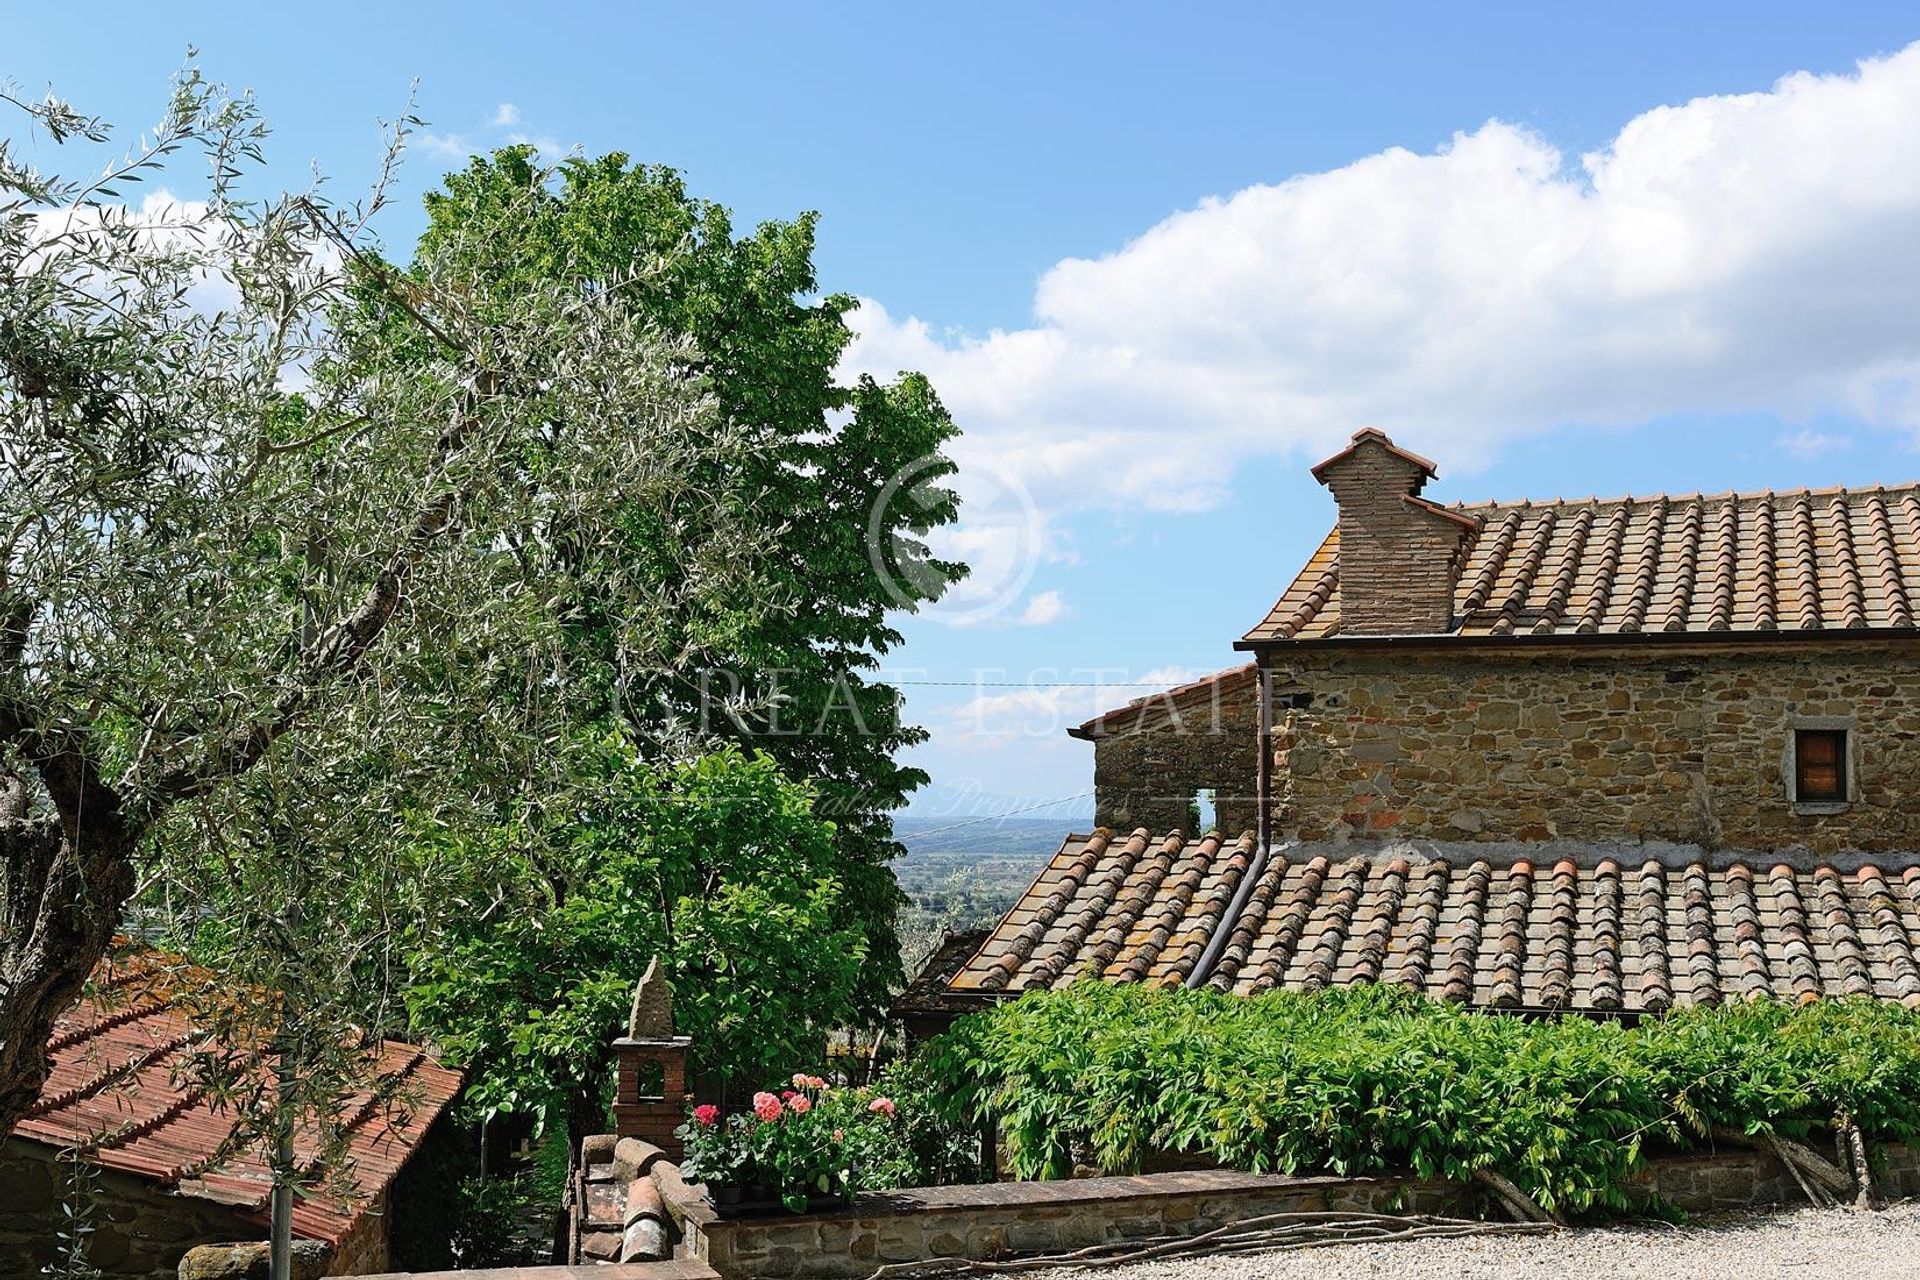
[(1802, 1243)]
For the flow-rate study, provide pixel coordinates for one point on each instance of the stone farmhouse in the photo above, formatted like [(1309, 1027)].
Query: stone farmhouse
[(1606, 756)]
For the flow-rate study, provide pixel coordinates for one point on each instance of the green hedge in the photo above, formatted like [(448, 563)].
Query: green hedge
[(1365, 1079)]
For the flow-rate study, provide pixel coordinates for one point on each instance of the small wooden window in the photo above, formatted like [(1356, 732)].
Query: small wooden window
[(1820, 766)]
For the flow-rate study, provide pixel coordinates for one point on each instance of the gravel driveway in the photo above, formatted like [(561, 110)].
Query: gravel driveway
[(1800, 1243)]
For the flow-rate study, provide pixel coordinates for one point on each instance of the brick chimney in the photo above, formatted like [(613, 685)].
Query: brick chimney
[(1400, 555)]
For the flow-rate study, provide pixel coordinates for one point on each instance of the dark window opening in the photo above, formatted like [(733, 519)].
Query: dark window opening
[(1820, 766)]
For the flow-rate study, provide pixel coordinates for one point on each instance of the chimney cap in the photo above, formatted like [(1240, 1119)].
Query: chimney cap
[(1374, 435)]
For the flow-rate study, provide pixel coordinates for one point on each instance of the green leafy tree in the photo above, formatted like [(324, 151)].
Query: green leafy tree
[(794, 676), (229, 609), (718, 865)]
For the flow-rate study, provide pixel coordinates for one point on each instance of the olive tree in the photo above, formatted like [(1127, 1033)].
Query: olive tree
[(240, 541)]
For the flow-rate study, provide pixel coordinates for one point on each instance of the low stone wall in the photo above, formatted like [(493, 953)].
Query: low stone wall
[(991, 1220), (1732, 1178), (673, 1269)]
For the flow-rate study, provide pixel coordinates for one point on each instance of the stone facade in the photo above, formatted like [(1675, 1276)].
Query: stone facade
[(1689, 745), (143, 1229), (139, 1229), (1150, 763), (1679, 744)]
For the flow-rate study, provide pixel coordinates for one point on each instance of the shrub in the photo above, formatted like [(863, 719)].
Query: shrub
[(1363, 1079)]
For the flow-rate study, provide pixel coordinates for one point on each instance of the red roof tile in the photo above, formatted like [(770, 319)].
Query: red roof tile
[(1168, 702), (1804, 563), (1587, 932), (119, 1090)]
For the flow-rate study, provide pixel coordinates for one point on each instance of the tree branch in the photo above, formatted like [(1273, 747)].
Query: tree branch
[(338, 650)]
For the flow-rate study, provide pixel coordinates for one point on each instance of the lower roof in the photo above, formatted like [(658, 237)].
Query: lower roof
[(1579, 931), (123, 1091)]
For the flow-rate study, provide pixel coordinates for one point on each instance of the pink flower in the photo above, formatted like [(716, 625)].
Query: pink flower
[(800, 1103), (766, 1106), (881, 1106), (815, 1082), (707, 1116), (800, 1079), (839, 1135), (788, 1095)]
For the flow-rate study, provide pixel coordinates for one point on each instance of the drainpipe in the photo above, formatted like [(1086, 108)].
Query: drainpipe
[(1263, 763), (1263, 831)]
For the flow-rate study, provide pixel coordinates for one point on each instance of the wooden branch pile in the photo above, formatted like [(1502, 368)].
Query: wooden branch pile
[(1267, 1233)]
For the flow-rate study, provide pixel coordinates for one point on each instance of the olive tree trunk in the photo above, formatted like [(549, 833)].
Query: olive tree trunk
[(65, 880)]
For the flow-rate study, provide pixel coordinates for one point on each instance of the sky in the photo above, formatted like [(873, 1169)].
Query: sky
[(1159, 259)]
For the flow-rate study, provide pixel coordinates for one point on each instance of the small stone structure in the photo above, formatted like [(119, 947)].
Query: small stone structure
[(173, 1169), (622, 1215), (650, 1098), (1155, 755)]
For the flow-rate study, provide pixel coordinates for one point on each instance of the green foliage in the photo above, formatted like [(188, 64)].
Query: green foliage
[(1366, 1079), (786, 668), (718, 865), (938, 1151)]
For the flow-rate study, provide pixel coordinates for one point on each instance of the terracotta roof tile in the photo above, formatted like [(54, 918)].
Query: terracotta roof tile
[(1582, 933), (1180, 699), (1802, 563), (117, 1092)]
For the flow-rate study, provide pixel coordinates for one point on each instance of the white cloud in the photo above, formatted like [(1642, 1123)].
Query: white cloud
[(453, 146), (1044, 608), (1808, 443), (1754, 252), (550, 148), (505, 116), (1049, 703)]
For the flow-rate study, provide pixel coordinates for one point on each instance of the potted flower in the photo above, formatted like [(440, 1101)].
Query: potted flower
[(810, 1146), (719, 1154)]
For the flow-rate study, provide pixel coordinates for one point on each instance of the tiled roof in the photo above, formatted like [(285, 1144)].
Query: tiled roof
[(120, 1090), (1149, 709), (1583, 932), (1787, 563)]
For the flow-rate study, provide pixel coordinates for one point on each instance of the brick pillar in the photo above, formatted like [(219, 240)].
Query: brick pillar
[(638, 1111)]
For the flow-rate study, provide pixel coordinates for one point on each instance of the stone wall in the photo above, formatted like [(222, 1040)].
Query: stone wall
[(139, 1229), (1720, 1181), (1148, 766), (1596, 745), (988, 1221)]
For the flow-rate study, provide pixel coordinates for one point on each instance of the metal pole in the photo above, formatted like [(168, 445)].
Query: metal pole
[(280, 1203), (280, 1260), (1263, 763)]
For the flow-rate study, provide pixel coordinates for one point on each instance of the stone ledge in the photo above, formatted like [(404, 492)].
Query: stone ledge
[(992, 1220), (975, 1197), (675, 1269)]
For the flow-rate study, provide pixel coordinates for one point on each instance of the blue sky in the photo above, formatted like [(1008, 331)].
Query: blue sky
[(1159, 259)]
